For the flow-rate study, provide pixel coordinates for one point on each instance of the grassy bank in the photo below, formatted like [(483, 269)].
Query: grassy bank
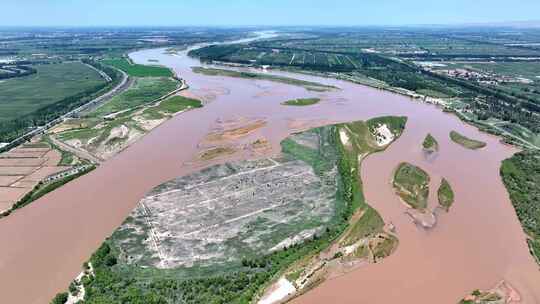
[(312, 86), (171, 106), (301, 102), (144, 91), (521, 176), (466, 142), (412, 185)]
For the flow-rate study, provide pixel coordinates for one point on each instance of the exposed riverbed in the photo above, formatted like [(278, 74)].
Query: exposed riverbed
[(474, 246)]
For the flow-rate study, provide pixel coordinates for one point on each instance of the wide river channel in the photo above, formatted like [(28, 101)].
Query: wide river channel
[(474, 246)]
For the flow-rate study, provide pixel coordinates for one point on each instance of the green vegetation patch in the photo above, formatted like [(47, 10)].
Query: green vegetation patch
[(360, 133), (138, 70), (309, 85), (466, 142), (396, 124), (144, 91), (430, 144), (370, 223), (51, 83), (412, 185), (521, 176), (301, 102), (60, 298), (445, 194), (171, 106)]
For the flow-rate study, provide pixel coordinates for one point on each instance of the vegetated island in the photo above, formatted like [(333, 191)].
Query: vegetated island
[(430, 144), (503, 292), (308, 85), (315, 185), (445, 195), (301, 102), (412, 185), (521, 176), (466, 142)]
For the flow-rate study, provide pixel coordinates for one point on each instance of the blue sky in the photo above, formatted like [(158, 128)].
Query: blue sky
[(263, 12)]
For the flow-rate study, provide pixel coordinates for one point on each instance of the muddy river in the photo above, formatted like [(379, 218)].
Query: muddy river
[(476, 245)]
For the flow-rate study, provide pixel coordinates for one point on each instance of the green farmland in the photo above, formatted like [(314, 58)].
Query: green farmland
[(51, 83), (138, 70), (145, 90)]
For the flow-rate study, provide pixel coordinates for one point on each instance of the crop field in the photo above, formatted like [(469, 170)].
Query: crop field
[(375, 69), (279, 57), (51, 83), (82, 43), (145, 90), (138, 70), (405, 43)]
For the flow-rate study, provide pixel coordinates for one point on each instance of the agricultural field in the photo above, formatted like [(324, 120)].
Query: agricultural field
[(165, 256), (138, 70), (143, 91), (51, 83), (413, 43), (375, 69), (33, 169), (52, 44)]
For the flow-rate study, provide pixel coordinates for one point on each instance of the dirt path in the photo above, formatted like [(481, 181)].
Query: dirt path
[(79, 152)]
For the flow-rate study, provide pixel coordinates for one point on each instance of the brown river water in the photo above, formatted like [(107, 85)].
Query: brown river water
[(476, 245)]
